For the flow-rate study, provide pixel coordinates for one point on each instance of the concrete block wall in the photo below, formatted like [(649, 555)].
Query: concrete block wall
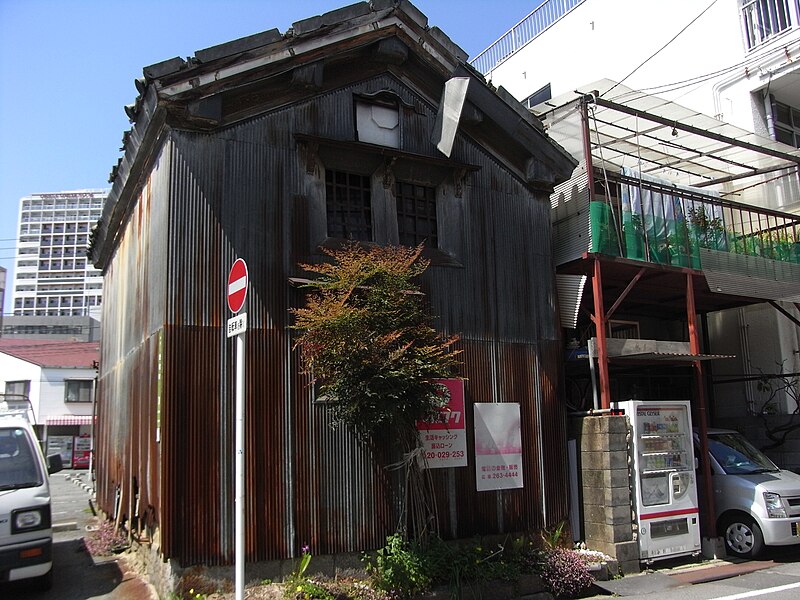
[(604, 483)]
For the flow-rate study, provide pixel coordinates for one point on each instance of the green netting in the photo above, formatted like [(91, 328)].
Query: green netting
[(633, 235), (605, 239)]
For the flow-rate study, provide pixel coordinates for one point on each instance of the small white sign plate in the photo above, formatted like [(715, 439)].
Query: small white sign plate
[(237, 325)]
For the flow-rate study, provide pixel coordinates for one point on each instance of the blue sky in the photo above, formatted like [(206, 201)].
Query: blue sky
[(67, 69)]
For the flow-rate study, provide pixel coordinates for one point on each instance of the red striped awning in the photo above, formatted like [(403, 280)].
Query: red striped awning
[(69, 420)]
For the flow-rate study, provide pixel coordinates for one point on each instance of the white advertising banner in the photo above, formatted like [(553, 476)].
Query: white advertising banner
[(498, 446), (444, 442)]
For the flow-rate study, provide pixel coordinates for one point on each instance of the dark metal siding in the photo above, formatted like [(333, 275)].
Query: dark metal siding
[(242, 192), (128, 460)]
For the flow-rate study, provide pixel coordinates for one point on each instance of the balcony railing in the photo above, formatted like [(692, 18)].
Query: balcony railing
[(763, 19), (523, 32), (667, 225)]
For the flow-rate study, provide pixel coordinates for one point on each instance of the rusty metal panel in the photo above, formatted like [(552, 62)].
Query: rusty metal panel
[(528, 375), (129, 460)]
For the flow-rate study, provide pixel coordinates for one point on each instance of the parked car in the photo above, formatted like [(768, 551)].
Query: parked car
[(757, 503), (26, 536)]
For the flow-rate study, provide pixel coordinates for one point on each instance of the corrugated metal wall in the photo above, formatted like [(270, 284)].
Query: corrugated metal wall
[(570, 215), (243, 192), (128, 460)]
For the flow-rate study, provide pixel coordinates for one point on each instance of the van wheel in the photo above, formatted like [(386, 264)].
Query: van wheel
[(743, 537)]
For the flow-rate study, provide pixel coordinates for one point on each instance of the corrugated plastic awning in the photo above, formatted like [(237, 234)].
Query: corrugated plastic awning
[(69, 420), (651, 351), (669, 357), (664, 139)]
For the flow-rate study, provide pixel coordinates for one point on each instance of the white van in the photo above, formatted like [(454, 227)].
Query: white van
[(757, 504), (26, 537)]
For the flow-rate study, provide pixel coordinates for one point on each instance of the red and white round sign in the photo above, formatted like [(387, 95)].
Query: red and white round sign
[(237, 285)]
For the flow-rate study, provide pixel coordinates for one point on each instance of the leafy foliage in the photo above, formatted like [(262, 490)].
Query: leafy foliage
[(400, 567), (366, 338), (780, 410), (564, 573), (403, 569)]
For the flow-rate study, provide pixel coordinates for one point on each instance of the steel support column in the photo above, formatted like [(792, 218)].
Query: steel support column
[(708, 515)]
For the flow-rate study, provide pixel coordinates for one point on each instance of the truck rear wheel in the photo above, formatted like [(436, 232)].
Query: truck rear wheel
[(743, 537)]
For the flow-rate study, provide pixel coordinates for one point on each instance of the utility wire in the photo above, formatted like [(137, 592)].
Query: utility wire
[(699, 79), (662, 47)]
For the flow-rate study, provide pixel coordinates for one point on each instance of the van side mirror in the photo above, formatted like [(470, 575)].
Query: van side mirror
[(54, 464)]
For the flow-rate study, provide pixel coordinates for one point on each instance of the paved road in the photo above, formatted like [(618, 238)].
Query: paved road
[(75, 575), (775, 577)]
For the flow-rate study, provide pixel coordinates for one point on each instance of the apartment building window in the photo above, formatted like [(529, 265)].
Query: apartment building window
[(18, 388), (416, 214), (78, 390), (763, 19), (541, 95), (349, 205), (787, 123)]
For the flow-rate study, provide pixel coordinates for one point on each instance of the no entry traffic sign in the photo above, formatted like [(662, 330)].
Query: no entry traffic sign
[(237, 285)]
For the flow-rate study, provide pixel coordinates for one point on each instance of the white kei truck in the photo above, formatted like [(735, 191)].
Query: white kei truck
[(26, 536)]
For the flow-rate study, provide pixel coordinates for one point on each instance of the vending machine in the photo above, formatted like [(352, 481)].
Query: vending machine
[(664, 482)]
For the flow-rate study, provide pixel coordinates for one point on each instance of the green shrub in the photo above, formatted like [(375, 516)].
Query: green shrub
[(564, 573), (400, 568)]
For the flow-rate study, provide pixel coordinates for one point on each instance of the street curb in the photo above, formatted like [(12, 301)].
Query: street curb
[(66, 526)]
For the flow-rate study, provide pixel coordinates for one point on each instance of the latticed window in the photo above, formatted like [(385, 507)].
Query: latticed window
[(416, 214), (349, 205)]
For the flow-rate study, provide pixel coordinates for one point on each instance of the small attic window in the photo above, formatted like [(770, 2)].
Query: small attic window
[(378, 123)]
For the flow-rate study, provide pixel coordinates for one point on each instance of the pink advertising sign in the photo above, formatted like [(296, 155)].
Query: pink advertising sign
[(498, 446), (444, 442)]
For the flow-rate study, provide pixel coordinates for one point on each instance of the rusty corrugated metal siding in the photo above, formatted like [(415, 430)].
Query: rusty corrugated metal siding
[(247, 191), (129, 461)]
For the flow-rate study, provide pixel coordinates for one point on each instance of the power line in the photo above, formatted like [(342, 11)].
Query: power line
[(699, 79), (662, 47)]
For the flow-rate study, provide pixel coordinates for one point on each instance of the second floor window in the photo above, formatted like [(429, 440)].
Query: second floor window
[(78, 390), (763, 19), (18, 388), (416, 214)]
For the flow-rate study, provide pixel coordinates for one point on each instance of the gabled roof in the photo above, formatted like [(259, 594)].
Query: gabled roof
[(53, 354), (241, 79)]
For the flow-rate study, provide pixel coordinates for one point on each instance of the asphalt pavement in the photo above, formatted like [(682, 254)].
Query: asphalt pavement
[(687, 578), (76, 576)]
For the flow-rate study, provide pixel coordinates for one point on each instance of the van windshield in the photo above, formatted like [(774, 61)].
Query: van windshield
[(737, 456), (18, 465)]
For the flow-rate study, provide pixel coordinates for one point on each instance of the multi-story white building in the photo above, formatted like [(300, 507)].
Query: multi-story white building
[(52, 275), (736, 60)]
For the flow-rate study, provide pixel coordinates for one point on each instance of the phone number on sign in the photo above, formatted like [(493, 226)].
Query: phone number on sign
[(501, 475), (445, 454)]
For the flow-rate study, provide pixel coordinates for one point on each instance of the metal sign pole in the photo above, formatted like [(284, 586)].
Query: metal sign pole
[(237, 325), (239, 502)]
